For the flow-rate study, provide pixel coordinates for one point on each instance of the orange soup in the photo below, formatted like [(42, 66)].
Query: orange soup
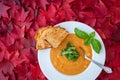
[(65, 66)]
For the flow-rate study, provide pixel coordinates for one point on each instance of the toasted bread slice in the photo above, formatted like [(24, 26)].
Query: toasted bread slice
[(40, 42), (39, 32), (55, 35), (50, 37)]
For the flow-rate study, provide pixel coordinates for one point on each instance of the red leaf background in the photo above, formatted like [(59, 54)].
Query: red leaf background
[(19, 19)]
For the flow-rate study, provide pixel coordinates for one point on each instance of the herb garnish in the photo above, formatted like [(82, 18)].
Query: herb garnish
[(89, 39), (70, 52)]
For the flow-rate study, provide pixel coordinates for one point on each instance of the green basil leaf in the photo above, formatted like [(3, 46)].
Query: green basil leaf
[(81, 33), (92, 34), (88, 41), (70, 52), (96, 45)]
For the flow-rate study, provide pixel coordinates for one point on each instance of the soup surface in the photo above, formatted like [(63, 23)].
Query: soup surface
[(65, 66)]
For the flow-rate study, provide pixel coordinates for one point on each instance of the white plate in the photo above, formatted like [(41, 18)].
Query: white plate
[(91, 73)]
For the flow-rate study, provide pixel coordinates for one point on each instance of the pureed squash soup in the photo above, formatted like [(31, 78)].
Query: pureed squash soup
[(65, 66)]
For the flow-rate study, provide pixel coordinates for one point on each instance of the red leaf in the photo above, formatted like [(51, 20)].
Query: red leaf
[(49, 13), (28, 3), (101, 33), (116, 35), (65, 12), (40, 19), (42, 3), (31, 15), (20, 15), (9, 2), (19, 32), (27, 43), (88, 18), (33, 56), (115, 15), (117, 3), (2, 77), (2, 51), (3, 10), (57, 3), (35, 71), (13, 10), (21, 71), (23, 53), (83, 5), (6, 68), (100, 9), (8, 39), (35, 25), (6, 55), (60, 15), (113, 55), (86, 4), (30, 33), (109, 3), (51, 16), (69, 14), (106, 27), (16, 46), (15, 58), (30, 55), (21, 18)]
